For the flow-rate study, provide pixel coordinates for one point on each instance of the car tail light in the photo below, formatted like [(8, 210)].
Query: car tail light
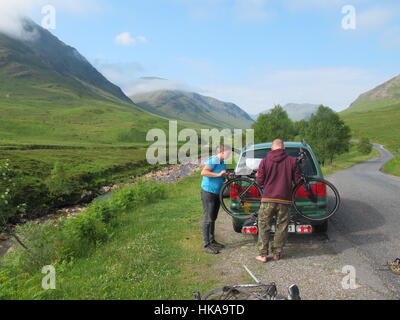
[(234, 194), (318, 189), (304, 229), (250, 230), (321, 189), (252, 192)]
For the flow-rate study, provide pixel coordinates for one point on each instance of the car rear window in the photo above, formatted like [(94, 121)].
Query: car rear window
[(307, 167)]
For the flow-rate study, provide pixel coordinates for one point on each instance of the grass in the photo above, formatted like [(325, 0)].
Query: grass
[(47, 119), (155, 252), (348, 160), (393, 166), (380, 126)]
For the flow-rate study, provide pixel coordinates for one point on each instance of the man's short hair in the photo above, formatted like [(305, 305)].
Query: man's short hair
[(278, 143)]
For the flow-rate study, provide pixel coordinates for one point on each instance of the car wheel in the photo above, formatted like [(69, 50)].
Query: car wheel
[(321, 228), (237, 226)]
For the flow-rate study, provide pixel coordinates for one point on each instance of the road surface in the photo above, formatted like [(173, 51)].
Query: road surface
[(366, 231), (364, 234)]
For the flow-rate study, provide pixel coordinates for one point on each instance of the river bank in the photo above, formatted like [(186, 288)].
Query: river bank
[(168, 174)]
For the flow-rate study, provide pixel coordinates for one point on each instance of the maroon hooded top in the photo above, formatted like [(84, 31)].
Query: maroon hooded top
[(276, 175)]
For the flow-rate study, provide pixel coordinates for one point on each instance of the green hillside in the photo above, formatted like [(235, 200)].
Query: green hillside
[(189, 106), (385, 95), (376, 115), (381, 125), (56, 108)]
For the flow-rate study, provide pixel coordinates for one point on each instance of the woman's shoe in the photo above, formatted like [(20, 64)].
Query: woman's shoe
[(211, 250), (217, 245)]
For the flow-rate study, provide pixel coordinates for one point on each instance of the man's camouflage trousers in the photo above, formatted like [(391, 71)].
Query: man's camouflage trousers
[(266, 215)]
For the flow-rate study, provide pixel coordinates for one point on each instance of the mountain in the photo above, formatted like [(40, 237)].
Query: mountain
[(298, 111), (51, 95), (190, 106), (49, 64), (384, 95)]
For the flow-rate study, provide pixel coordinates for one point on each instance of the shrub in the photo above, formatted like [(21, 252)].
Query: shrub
[(364, 146), (9, 183), (141, 193), (68, 238)]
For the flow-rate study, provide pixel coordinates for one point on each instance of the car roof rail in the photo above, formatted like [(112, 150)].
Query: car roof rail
[(304, 142)]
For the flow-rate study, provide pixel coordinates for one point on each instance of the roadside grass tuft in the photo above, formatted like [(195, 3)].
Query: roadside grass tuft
[(393, 166)]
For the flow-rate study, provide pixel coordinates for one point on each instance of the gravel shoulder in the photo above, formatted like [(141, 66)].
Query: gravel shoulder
[(363, 235), (310, 261)]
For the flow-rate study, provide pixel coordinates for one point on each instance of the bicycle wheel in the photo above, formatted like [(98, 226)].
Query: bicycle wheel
[(241, 198), (316, 199), (243, 292)]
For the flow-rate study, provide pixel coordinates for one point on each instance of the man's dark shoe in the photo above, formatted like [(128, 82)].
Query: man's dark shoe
[(217, 245), (211, 250), (277, 256)]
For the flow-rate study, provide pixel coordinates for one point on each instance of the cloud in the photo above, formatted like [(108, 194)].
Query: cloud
[(334, 87), (12, 12), (144, 85), (125, 39), (130, 76), (120, 73)]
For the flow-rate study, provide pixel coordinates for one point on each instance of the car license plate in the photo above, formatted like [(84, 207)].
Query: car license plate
[(292, 228)]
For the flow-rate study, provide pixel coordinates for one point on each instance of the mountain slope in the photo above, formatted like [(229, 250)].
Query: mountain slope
[(51, 95), (46, 64), (386, 94), (189, 106), (298, 111)]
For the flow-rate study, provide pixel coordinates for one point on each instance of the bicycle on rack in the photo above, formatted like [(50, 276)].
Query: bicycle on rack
[(314, 199)]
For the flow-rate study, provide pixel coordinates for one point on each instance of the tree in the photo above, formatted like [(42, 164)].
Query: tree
[(364, 146), (327, 134), (300, 128), (273, 125)]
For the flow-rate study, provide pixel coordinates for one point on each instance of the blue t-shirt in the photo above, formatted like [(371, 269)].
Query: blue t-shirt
[(214, 185)]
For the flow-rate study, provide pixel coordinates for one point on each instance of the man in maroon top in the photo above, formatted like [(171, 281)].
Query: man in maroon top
[(276, 175)]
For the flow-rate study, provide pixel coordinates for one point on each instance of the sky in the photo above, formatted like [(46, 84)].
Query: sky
[(255, 53)]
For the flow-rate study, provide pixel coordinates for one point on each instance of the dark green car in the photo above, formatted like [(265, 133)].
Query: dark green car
[(250, 159)]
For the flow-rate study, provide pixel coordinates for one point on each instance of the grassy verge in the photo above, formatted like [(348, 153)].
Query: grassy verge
[(152, 251), (393, 166), (348, 160)]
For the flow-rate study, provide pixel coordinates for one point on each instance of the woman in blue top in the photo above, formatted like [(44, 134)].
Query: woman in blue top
[(213, 179)]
